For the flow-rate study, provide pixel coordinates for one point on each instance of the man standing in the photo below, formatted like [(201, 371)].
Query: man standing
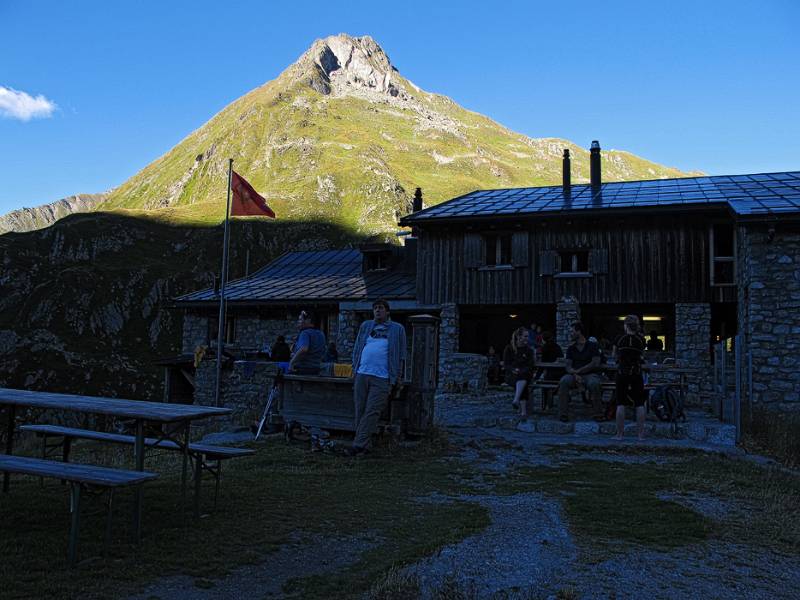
[(582, 364), (309, 348), (378, 359)]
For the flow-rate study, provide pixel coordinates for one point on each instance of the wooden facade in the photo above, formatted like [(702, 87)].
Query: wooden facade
[(644, 258)]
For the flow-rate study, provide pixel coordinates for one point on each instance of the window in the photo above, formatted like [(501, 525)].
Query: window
[(377, 261), (230, 329), (498, 249), (573, 261), (722, 242)]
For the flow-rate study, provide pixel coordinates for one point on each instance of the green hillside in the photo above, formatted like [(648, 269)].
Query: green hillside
[(341, 135)]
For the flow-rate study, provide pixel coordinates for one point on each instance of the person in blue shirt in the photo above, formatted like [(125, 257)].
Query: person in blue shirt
[(309, 348), (378, 360)]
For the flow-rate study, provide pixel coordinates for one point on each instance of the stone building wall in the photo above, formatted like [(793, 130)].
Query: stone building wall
[(244, 388), (768, 271), (195, 328), (347, 328), (692, 346), (567, 312)]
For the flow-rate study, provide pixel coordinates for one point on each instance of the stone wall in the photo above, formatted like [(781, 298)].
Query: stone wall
[(464, 373), (195, 328), (768, 272), (692, 346), (567, 312), (244, 388), (347, 328), (448, 340)]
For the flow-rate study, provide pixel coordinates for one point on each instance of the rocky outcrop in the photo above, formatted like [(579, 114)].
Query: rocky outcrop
[(29, 219)]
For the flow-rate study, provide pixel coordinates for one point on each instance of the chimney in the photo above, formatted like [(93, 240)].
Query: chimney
[(594, 164), (417, 206), (567, 180)]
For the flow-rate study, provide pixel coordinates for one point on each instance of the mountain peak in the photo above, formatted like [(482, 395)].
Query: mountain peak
[(340, 64)]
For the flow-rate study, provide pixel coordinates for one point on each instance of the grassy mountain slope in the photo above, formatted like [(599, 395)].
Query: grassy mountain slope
[(83, 302), (341, 135)]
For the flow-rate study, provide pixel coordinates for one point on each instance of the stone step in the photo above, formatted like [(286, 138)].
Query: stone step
[(712, 433)]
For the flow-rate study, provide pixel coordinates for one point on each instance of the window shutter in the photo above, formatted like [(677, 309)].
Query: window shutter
[(547, 262), (599, 261), (473, 250), (519, 249)]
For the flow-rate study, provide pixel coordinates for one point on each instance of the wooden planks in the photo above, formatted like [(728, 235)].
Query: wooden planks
[(634, 260), (86, 474), (127, 409)]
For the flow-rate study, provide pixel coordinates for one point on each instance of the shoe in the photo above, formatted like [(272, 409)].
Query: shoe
[(515, 405), (563, 419), (355, 451)]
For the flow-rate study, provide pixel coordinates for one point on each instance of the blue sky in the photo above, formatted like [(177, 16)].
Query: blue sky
[(707, 85)]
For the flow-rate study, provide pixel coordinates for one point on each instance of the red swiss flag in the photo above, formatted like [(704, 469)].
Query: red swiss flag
[(246, 201)]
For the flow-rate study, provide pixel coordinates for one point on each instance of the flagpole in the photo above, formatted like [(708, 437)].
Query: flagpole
[(221, 326)]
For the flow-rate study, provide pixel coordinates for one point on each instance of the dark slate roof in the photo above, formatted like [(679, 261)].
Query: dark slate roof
[(330, 275), (764, 194)]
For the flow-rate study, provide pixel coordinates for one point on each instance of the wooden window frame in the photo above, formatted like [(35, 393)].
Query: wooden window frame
[(561, 274), (498, 250), (714, 260)]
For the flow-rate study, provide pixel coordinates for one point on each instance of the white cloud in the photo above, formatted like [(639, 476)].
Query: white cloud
[(22, 106)]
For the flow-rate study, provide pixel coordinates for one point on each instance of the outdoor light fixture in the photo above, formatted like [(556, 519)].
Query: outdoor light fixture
[(651, 318), (513, 316)]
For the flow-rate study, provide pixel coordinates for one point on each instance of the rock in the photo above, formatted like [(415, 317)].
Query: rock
[(586, 428), (526, 426), (547, 426)]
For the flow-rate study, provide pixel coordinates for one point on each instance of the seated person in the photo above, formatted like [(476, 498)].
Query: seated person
[(309, 348), (331, 354), (653, 343), (280, 351), (519, 360), (551, 352), (493, 373), (582, 366)]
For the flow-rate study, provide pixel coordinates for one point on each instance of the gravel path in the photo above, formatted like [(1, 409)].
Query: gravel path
[(528, 551)]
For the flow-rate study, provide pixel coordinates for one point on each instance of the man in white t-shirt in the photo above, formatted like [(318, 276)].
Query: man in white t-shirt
[(378, 358)]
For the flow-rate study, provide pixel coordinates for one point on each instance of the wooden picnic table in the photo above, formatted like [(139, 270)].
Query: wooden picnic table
[(176, 417), (682, 372)]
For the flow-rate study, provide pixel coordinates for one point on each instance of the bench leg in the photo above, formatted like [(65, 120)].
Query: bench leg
[(185, 466), (109, 521), (12, 409), (75, 505), (198, 480), (216, 484), (138, 451), (65, 452)]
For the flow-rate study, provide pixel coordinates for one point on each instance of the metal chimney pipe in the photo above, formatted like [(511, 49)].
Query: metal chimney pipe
[(417, 206), (567, 176), (594, 164)]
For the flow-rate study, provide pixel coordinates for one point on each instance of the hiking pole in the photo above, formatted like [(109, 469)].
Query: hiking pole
[(272, 394)]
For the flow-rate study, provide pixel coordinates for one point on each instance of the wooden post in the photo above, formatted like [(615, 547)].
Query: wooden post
[(424, 371)]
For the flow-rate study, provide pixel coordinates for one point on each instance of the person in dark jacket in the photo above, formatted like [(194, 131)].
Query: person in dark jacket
[(280, 351), (518, 359), (628, 351), (551, 352), (331, 354)]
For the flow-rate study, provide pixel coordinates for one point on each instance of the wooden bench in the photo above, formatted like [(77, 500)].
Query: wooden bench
[(200, 453), (549, 385), (79, 477)]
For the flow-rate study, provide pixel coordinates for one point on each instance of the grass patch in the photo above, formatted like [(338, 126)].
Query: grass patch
[(610, 503), (776, 434), (264, 499)]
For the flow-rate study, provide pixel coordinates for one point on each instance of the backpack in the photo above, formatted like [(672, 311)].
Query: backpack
[(667, 404)]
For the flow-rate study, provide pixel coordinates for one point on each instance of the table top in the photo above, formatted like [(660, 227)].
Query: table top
[(613, 367), (162, 412)]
